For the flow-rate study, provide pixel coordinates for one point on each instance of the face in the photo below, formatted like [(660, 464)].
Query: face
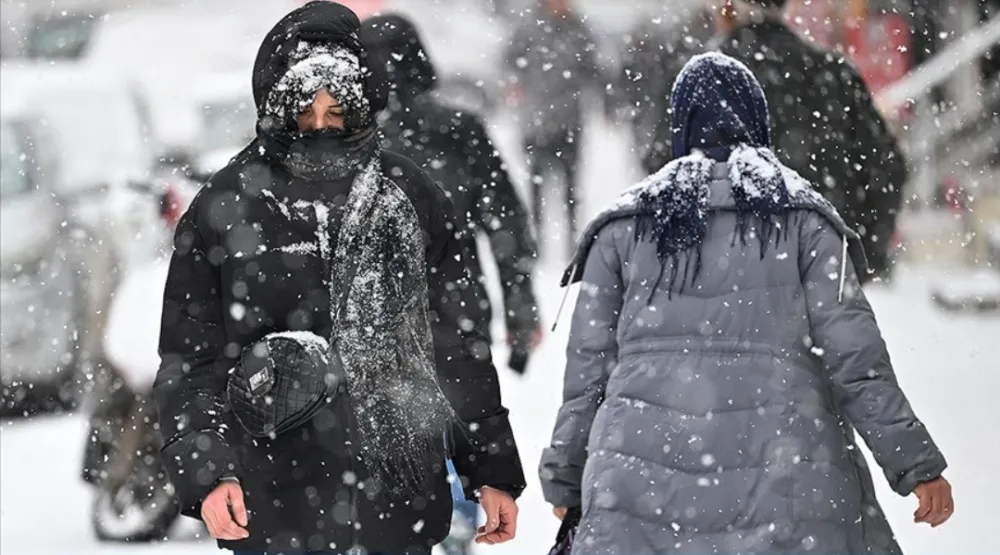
[(326, 112)]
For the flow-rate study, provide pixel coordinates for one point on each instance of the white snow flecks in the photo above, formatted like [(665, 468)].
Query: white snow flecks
[(309, 341), (314, 67), (710, 58)]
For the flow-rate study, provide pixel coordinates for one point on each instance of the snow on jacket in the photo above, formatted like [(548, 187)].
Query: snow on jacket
[(827, 128), (245, 267), (455, 149), (716, 414)]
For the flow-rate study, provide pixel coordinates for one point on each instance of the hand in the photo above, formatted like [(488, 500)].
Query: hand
[(215, 511), (537, 335), (501, 516), (936, 504), (560, 512)]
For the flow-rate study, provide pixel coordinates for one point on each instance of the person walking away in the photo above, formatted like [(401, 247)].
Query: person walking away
[(454, 148), (722, 355), (826, 124), (313, 246), (552, 60), (656, 49)]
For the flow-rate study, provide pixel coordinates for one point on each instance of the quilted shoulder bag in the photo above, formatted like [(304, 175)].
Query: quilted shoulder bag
[(283, 380)]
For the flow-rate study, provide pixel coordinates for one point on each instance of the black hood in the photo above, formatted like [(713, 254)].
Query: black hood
[(320, 22), (396, 40)]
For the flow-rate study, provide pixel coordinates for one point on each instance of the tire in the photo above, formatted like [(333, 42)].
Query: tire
[(117, 521)]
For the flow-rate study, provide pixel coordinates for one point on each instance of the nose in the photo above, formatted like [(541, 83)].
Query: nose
[(313, 121)]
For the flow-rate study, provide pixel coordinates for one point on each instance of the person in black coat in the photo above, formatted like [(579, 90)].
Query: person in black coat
[(825, 123), (656, 49), (454, 148), (552, 60), (311, 212)]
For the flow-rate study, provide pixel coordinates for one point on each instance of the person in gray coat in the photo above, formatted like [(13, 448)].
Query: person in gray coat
[(722, 355)]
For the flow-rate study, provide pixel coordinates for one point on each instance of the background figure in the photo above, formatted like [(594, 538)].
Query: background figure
[(552, 59), (655, 51), (825, 123), (455, 150)]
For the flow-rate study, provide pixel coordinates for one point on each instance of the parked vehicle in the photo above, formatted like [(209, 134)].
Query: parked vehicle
[(134, 500), (67, 223), (226, 123), (44, 291)]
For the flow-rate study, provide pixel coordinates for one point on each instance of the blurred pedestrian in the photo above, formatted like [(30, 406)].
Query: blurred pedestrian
[(454, 148), (298, 395), (552, 60), (722, 354), (656, 49), (826, 124)]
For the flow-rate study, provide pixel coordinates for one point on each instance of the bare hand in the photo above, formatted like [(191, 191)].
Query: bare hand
[(215, 511), (936, 503), (533, 342), (501, 516), (560, 512)]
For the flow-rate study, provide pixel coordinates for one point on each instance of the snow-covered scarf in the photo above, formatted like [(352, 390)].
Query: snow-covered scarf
[(673, 203), (385, 335), (671, 209)]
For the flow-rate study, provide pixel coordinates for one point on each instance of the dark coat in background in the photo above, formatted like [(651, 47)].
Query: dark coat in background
[(454, 148), (238, 274), (655, 51), (552, 59), (826, 127)]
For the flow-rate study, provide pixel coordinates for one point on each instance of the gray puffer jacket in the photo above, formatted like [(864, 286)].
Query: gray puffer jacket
[(719, 418)]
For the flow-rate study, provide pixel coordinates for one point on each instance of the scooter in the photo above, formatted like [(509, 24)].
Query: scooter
[(134, 500)]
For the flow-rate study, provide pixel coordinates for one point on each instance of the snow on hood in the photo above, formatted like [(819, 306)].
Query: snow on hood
[(326, 24)]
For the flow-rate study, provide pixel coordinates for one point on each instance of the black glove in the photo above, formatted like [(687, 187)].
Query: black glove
[(518, 361), (567, 531)]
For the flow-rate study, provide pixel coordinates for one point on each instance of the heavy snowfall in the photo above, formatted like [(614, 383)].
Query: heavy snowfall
[(115, 112)]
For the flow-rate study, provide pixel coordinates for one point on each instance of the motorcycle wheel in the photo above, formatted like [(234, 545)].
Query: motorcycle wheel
[(129, 515)]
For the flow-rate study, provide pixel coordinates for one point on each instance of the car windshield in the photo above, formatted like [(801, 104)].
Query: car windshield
[(63, 37), (13, 163), (227, 124)]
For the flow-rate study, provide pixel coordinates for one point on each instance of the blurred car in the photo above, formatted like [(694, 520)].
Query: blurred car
[(226, 117), (43, 288), (71, 146)]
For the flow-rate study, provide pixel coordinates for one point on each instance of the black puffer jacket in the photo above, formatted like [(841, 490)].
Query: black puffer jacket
[(826, 127), (303, 489), (455, 150)]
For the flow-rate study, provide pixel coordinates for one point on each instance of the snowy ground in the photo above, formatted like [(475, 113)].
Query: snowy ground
[(948, 364)]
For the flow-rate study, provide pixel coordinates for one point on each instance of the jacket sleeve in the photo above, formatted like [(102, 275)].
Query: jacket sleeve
[(190, 384), (591, 355), (484, 451), (884, 174), (847, 339), (502, 215)]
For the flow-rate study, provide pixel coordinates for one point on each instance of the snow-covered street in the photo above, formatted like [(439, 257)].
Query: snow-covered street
[(948, 364)]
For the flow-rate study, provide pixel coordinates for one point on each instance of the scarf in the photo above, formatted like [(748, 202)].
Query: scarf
[(385, 336)]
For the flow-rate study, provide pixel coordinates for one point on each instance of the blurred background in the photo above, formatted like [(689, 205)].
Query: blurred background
[(114, 112)]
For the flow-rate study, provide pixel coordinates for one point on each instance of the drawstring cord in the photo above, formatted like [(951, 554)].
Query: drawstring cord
[(566, 281), (843, 270)]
